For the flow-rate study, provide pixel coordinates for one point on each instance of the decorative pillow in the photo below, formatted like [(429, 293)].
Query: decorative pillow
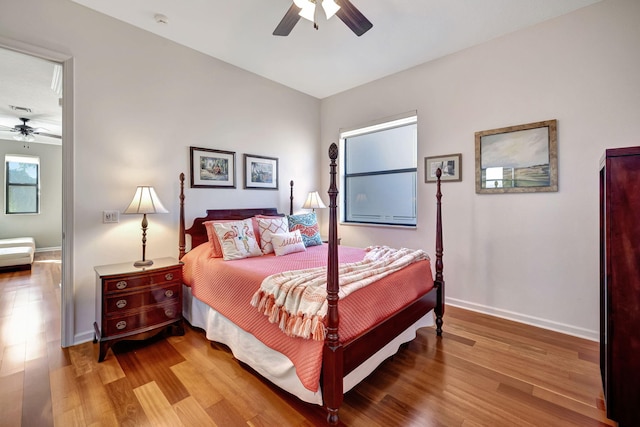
[(269, 227), (287, 243), (237, 239), (256, 228), (216, 249), (308, 226)]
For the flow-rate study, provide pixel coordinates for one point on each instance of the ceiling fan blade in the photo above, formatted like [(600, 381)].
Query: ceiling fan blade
[(50, 135), (353, 18), (289, 21), (7, 128)]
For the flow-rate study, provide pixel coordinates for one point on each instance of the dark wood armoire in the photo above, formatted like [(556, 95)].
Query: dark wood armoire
[(620, 284)]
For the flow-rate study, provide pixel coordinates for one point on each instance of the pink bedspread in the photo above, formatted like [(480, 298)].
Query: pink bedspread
[(228, 287)]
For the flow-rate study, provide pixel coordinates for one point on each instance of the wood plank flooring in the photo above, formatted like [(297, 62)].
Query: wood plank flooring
[(485, 371)]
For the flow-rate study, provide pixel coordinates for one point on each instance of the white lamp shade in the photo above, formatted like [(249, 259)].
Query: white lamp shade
[(313, 201), (330, 8), (145, 201), (308, 11)]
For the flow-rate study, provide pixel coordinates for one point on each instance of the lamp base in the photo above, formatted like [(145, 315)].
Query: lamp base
[(143, 263)]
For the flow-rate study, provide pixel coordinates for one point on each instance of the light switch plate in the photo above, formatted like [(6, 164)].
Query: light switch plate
[(110, 217)]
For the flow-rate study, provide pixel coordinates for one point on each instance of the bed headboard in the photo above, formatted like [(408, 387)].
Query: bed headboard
[(198, 232)]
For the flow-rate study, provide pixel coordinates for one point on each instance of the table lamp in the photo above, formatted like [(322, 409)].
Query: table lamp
[(313, 201), (144, 202)]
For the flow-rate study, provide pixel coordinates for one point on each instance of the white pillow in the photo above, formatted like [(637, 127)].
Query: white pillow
[(237, 239), (287, 243), (268, 227)]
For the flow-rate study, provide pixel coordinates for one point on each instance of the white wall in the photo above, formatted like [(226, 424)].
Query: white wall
[(140, 103), (46, 227), (529, 257)]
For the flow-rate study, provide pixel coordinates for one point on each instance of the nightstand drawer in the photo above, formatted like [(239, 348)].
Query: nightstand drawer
[(126, 283), (122, 324), (118, 303)]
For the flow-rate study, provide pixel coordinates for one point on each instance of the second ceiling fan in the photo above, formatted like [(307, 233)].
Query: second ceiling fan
[(24, 132), (344, 9)]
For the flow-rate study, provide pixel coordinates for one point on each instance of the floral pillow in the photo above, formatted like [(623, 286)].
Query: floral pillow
[(287, 243), (307, 224), (237, 239), (268, 227)]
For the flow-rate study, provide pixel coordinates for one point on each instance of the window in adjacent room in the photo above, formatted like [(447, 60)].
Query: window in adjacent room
[(380, 172), (22, 192)]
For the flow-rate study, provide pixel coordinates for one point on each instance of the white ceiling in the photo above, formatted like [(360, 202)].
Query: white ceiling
[(26, 82), (319, 62), (332, 59)]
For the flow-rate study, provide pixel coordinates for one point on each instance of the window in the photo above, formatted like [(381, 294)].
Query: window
[(22, 192), (380, 172)]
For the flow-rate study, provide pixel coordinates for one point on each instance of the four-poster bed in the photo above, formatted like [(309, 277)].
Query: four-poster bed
[(346, 357)]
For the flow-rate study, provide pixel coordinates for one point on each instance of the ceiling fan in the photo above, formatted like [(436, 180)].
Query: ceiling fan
[(24, 132), (344, 9)]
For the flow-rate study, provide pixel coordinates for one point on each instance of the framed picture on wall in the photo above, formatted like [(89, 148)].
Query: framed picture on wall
[(450, 165), (212, 168), (517, 159), (260, 172)]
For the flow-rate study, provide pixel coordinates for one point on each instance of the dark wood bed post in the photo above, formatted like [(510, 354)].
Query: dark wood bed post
[(332, 364), (291, 198), (439, 280), (181, 238)]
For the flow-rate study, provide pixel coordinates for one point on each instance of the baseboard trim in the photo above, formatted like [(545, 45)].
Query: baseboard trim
[(83, 337), (55, 248), (523, 318)]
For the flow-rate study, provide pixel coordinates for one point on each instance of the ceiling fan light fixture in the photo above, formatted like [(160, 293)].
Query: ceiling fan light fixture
[(308, 11), (330, 8), (24, 138)]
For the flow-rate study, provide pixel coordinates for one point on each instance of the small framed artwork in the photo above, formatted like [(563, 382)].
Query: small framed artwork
[(450, 165), (517, 159), (260, 172), (212, 168)]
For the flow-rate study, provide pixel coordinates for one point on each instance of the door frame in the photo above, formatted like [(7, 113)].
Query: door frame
[(67, 311)]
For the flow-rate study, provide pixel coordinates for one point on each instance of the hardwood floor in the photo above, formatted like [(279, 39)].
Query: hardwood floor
[(485, 371)]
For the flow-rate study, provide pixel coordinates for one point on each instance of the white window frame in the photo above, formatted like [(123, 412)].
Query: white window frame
[(16, 158), (405, 119)]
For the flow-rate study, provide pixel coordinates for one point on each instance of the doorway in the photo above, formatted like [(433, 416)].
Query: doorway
[(63, 126)]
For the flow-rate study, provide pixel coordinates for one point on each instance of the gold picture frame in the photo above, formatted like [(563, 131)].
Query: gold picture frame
[(517, 159)]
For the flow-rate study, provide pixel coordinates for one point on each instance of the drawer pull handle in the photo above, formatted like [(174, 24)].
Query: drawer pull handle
[(168, 293), (169, 312), (121, 303), (121, 284), (121, 324), (168, 276)]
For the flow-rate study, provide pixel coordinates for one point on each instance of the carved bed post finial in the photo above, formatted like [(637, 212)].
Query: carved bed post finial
[(439, 264), (181, 239), (332, 359), (291, 199)]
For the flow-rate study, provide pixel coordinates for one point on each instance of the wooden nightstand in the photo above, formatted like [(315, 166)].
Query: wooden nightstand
[(137, 303)]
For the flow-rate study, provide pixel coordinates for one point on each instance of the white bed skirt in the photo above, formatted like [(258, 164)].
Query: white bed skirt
[(271, 364)]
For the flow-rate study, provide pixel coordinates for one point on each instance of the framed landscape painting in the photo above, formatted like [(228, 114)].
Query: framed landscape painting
[(517, 159), (212, 168), (260, 172)]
